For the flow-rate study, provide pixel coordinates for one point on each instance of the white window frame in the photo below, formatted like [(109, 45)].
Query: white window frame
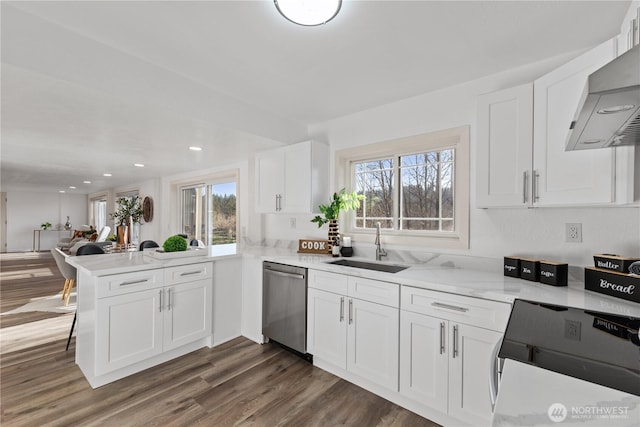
[(96, 198), (456, 138), (208, 180)]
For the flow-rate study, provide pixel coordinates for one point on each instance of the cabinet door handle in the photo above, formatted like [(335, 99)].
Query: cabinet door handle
[(160, 306), (536, 184), (189, 273), (341, 309), (133, 282), (449, 307), (455, 341), (169, 302), (525, 178), (350, 311), (441, 337)]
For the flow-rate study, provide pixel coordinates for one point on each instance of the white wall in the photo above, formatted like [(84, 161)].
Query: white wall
[(27, 210), (496, 232)]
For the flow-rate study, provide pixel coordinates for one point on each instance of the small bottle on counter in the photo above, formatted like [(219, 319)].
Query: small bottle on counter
[(335, 249)]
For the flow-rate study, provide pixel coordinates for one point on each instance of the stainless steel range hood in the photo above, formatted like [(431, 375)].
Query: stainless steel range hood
[(609, 112)]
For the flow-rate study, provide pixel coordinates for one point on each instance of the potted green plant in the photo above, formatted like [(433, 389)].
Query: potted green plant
[(129, 212), (175, 244), (45, 225), (340, 202)]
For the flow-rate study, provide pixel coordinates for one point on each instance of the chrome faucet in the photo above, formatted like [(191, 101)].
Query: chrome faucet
[(379, 251)]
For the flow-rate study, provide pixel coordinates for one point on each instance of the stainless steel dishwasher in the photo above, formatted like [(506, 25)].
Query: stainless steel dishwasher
[(284, 305)]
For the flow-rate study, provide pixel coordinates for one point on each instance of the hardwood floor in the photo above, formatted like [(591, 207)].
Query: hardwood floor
[(237, 383)]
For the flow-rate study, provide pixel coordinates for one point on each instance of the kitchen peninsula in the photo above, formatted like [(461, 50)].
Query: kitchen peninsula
[(137, 310)]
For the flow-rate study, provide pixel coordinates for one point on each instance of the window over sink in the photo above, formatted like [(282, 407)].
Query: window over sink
[(416, 187)]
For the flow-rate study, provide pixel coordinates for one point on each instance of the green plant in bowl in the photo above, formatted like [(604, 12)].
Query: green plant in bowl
[(45, 225), (175, 244)]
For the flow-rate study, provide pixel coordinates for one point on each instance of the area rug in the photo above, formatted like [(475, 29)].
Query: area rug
[(52, 304)]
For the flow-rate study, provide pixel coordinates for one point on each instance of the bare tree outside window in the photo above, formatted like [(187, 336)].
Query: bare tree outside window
[(424, 199)]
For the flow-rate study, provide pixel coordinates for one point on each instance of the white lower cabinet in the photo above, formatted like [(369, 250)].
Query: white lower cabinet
[(128, 329), (142, 319), (352, 334), (444, 356)]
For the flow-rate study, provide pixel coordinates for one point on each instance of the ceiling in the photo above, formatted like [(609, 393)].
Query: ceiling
[(92, 87)]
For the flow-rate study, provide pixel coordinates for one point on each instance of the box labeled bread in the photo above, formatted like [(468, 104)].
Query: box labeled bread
[(554, 273), (614, 262), (530, 269), (619, 285), (512, 266)]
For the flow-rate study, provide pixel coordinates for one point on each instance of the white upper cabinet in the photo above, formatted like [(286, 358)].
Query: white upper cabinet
[(504, 155), (292, 179), (569, 177), (521, 137)]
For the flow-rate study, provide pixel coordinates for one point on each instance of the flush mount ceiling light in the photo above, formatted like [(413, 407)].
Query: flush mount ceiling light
[(195, 148), (308, 12)]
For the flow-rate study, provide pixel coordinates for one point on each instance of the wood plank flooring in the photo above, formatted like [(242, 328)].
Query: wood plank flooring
[(237, 383)]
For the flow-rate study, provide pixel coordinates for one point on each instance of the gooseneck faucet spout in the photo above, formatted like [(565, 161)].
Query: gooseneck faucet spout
[(379, 251)]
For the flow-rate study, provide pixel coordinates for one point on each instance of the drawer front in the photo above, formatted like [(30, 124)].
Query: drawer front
[(188, 273), (472, 311), (374, 291), (330, 282), (118, 284)]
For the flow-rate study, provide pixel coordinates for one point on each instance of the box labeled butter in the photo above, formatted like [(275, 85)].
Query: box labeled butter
[(512, 266), (554, 273), (614, 262), (530, 269)]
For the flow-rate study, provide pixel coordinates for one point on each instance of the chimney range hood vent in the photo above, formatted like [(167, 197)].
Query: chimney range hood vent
[(609, 113)]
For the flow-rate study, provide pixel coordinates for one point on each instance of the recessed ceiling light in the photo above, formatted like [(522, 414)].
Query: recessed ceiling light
[(195, 148), (86, 182), (106, 174), (138, 165), (72, 187), (62, 191)]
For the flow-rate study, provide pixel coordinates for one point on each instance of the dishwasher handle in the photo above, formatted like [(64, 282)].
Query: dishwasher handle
[(284, 274)]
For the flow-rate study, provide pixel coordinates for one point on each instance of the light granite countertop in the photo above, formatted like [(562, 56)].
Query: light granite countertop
[(458, 274), (465, 275)]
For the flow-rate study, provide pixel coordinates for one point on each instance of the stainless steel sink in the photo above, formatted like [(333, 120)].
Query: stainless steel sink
[(387, 268)]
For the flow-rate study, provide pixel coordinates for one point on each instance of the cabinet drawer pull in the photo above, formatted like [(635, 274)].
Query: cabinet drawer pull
[(455, 341), (189, 273), (341, 309), (449, 307), (441, 337), (160, 299), (350, 311), (133, 282)]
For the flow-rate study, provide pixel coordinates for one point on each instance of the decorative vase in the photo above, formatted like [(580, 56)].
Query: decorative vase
[(334, 233), (123, 234), (67, 225)]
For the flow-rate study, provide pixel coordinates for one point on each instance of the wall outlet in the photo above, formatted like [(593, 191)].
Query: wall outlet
[(573, 232), (292, 222)]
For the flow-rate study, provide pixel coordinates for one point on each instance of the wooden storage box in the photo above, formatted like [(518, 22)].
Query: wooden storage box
[(554, 273), (512, 266), (530, 269), (613, 262), (619, 285)]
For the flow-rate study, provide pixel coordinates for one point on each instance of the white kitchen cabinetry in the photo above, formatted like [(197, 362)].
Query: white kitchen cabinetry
[(522, 132), (139, 319), (569, 177), (446, 343), (352, 325), (504, 154), (292, 179)]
